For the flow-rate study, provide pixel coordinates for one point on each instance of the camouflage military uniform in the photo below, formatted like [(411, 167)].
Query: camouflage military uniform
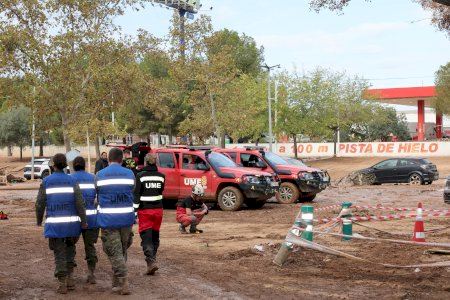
[(64, 251), (115, 244), (90, 237)]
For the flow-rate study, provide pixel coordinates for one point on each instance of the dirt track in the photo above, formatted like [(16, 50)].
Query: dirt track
[(222, 264)]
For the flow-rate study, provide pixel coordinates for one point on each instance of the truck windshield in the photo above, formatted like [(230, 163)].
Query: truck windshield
[(219, 161), (275, 159)]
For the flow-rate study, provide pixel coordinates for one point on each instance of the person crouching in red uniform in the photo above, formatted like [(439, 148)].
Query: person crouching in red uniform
[(190, 211), (148, 197)]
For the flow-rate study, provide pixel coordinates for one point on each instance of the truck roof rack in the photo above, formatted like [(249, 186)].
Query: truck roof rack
[(200, 148), (177, 146), (259, 148), (191, 148)]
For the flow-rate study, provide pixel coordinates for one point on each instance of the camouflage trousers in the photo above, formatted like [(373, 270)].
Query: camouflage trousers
[(64, 250), (90, 237), (115, 244)]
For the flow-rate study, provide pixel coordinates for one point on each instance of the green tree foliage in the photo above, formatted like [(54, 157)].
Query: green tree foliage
[(443, 89), (440, 13), (321, 103), (246, 56), (61, 48), (381, 126), (15, 127)]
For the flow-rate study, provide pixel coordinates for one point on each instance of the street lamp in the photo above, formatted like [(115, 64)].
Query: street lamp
[(184, 7), (269, 101)]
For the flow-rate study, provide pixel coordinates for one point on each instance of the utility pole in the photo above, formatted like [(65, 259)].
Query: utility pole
[(89, 150), (269, 102), (182, 13), (33, 129)]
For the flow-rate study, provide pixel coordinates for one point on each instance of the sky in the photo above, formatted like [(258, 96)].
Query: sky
[(389, 42)]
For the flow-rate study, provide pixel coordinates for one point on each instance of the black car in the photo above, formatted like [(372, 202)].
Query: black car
[(447, 191), (403, 170)]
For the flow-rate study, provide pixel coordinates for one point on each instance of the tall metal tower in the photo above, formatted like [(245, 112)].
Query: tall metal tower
[(185, 8)]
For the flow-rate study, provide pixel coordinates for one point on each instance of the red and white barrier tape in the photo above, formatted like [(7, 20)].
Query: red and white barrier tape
[(327, 207), (379, 207), (397, 208), (385, 218)]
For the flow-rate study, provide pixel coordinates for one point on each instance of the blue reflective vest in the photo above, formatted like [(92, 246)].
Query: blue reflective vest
[(86, 181), (115, 197), (62, 219)]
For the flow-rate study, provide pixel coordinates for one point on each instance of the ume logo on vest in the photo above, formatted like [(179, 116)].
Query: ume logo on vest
[(153, 185)]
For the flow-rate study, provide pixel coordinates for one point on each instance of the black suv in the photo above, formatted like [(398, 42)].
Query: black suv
[(447, 191), (403, 170)]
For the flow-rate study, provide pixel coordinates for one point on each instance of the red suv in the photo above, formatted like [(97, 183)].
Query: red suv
[(225, 182), (298, 182)]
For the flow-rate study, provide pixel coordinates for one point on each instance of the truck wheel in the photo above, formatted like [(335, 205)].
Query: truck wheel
[(308, 198), (415, 179), (230, 199), (253, 204), (45, 174), (288, 193)]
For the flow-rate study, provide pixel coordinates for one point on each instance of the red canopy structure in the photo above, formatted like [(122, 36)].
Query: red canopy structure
[(421, 96)]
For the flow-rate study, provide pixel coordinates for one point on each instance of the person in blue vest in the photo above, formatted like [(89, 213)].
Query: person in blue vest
[(60, 196), (116, 216), (86, 181)]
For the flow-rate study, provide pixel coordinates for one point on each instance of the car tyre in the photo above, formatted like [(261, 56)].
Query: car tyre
[(45, 174), (415, 179), (288, 193), (230, 199), (254, 204)]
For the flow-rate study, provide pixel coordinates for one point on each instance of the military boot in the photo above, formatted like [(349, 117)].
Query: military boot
[(70, 281), (151, 268), (62, 288), (182, 229), (193, 229), (124, 286), (115, 284), (91, 277)]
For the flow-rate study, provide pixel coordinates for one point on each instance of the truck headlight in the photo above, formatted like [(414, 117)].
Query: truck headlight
[(251, 179), (306, 175)]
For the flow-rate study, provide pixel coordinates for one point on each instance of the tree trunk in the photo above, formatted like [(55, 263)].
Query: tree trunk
[(222, 140), (148, 140), (21, 152), (335, 142), (295, 145), (9, 150), (169, 132), (41, 146), (214, 119), (65, 131), (97, 147)]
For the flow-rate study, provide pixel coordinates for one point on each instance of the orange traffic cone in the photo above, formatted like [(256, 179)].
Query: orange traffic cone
[(419, 229)]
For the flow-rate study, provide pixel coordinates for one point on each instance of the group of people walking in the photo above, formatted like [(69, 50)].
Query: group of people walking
[(107, 205)]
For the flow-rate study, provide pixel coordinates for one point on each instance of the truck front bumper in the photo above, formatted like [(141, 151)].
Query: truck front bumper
[(314, 186), (260, 191)]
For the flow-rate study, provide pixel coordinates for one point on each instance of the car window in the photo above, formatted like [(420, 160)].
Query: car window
[(274, 159), (424, 161), (249, 160), (232, 155), (406, 163), (166, 160), (192, 162), (386, 164), (220, 160)]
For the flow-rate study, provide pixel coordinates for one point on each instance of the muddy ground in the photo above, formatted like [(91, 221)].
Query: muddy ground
[(221, 263)]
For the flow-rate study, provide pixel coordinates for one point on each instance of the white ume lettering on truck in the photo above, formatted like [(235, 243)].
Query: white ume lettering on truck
[(192, 181)]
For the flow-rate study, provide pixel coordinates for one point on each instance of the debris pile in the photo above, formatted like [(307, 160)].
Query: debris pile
[(357, 178)]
